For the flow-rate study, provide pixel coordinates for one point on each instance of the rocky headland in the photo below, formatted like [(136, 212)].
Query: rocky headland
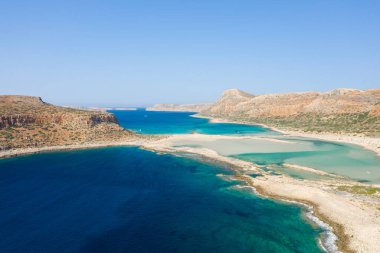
[(29, 122)]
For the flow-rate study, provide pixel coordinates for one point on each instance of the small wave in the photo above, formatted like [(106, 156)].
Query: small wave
[(245, 187), (228, 178), (328, 238)]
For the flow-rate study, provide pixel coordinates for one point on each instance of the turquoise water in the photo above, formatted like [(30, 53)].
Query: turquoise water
[(129, 200), (150, 122), (342, 159)]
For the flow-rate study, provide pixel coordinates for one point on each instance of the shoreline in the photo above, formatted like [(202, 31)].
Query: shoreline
[(335, 234), (332, 232), (353, 220), (328, 239), (28, 151), (369, 143)]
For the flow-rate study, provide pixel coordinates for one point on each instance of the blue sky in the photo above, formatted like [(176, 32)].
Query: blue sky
[(144, 52)]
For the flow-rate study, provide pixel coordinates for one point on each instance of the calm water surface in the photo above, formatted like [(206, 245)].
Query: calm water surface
[(151, 122), (342, 159), (128, 200)]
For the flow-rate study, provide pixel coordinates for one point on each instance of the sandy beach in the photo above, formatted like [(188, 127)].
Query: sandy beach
[(25, 151)]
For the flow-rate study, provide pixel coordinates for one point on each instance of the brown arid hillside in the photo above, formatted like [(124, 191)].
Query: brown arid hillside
[(376, 110), (27, 121), (338, 111)]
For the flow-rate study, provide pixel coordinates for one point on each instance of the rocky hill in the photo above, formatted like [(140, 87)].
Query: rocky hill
[(179, 108), (30, 122), (339, 111)]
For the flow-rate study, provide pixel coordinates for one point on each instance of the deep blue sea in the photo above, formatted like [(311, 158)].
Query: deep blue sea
[(123, 199), (151, 122)]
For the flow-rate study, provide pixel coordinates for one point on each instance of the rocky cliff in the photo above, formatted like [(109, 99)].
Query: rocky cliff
[(340, 110), (30, 122), (179, 108)]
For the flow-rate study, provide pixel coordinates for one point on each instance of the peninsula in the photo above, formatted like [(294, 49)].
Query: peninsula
[(28, 122)]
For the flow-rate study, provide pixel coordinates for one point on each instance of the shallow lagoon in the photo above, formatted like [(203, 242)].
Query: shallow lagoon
[(342, 159)]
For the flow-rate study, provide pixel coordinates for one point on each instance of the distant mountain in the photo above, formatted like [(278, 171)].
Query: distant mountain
[(179, 108), (227, 104), (340, 110), (30, 122)]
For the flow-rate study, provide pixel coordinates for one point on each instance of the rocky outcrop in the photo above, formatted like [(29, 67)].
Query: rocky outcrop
[(30, 122), (16, 120), (347, 110), (64, 119), (179, 108)]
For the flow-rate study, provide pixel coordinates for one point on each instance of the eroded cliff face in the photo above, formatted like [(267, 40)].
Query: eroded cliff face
[(65, 119), (16, 120), (340, 110), (29, 122)]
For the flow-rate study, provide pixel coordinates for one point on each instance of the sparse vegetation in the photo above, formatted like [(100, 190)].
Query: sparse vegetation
[(358, 189), (360, 123)]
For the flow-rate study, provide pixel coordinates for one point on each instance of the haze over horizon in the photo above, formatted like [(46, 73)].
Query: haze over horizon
[(120, 53)]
